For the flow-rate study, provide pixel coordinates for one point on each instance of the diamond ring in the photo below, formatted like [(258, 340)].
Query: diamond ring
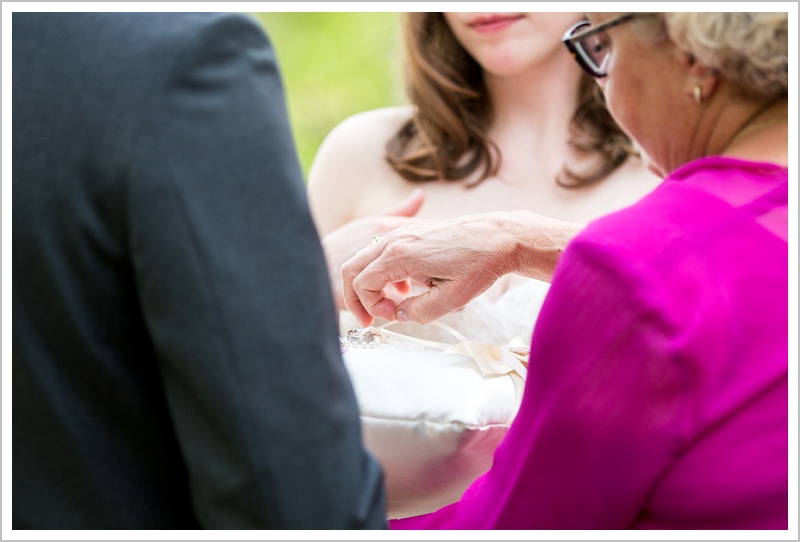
[(362, 338)]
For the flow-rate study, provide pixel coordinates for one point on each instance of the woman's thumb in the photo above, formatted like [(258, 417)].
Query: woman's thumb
[(423, 308)]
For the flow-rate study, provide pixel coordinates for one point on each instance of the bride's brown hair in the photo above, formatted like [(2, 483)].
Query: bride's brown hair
[(446, 136)]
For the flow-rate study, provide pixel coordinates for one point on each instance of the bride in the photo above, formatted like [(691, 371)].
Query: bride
[(500, 119)]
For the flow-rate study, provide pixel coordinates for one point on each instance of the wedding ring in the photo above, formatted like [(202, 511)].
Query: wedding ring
[(375, 240), (362, 338)]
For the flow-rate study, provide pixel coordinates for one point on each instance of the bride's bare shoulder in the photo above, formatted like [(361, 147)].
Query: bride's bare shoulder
[(370, 128), (349, 175), (356, 147)]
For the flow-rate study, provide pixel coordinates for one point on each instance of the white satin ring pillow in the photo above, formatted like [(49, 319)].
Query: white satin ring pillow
[(432, 419)]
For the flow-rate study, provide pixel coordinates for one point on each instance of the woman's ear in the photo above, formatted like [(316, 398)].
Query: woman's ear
[(701, 81)]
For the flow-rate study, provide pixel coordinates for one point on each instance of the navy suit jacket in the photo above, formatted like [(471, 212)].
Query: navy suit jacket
[(175, 355)]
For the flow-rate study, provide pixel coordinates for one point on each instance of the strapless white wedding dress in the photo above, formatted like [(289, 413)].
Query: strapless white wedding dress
[(433, 414)]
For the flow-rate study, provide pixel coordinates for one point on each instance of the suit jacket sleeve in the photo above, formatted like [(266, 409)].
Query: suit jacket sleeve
[(234, 291)]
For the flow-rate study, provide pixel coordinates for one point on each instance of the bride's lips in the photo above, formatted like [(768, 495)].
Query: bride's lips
[(494, 23)]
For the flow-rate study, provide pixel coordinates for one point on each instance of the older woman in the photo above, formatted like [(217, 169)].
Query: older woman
[(657, 392)]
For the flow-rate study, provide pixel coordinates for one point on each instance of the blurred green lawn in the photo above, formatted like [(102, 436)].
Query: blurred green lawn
[(334, 64)]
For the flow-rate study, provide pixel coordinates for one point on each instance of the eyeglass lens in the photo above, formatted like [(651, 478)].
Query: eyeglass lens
[(595, 49)]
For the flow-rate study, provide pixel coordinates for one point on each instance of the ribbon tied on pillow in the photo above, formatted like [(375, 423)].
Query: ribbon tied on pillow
[(432, 413)]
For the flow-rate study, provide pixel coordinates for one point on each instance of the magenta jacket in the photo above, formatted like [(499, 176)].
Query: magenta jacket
[(657, 393)]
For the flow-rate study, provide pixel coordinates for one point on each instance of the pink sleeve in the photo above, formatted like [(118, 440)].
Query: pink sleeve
[(605, 409)]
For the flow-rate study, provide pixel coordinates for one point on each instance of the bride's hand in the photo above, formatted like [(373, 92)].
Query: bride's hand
[(344, 242)]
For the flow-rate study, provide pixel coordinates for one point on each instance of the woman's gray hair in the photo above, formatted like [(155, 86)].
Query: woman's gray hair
[(750, 50)]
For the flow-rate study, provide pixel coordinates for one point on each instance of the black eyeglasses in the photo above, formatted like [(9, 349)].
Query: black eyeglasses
[(590, 46)]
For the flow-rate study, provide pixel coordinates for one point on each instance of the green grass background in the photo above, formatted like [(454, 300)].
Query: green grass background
[(334, 64)]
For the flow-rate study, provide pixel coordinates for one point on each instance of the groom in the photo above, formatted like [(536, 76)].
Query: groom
[(163, 374)]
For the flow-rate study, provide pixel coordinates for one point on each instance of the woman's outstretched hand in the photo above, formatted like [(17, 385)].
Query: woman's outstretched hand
[(457, 259)]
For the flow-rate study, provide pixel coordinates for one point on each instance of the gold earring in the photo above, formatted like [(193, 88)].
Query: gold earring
[(698, 94)]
